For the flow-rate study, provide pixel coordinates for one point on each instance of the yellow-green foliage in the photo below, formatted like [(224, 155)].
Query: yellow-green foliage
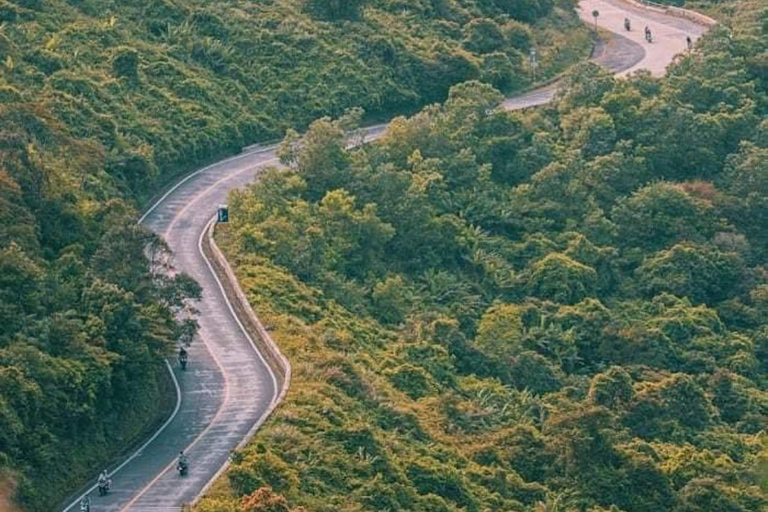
[(477, 322), (195, 79), (104, 101)]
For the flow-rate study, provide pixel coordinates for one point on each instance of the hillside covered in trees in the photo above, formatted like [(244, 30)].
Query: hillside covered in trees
[(558, 310), (102, 102), (147, 88)]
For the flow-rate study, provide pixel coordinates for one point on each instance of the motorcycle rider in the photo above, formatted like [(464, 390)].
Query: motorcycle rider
[(183, 464), (104, 483), (183, 356)]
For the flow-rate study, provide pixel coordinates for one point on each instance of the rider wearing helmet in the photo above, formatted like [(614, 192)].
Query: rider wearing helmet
[(183, 357), (183, 464), (104, 483)]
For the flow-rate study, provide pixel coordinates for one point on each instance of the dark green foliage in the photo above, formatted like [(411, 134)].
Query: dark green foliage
[(661, 214), (85, 324), (519, 35), (411, 380), (686, 270), (669, 409), (429, 478), (561, 279), (125, 63), (612, 389), (523, 10), (335, 10), (483, 36), (534, 372)]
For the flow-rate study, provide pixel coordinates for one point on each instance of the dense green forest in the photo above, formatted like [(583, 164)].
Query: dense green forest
[(102, 102), (557, 310), (148, 88)]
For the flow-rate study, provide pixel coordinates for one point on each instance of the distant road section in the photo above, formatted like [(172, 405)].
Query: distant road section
[(228, 387), (626, 51)]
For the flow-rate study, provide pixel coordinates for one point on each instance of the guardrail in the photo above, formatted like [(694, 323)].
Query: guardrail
[(677, 12), (266, 345)]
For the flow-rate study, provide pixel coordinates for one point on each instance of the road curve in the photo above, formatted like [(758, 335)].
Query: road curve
[(228, 386)]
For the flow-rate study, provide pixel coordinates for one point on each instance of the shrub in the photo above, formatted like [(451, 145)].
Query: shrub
[(611, 389), (561, 279), (125, 63), (258, 470), (482, 35), (334, 10), (499, 71), (45, 61), (517, 34), (430, 478), (8, 12), (686, 270), (534, 372), (411, 380)]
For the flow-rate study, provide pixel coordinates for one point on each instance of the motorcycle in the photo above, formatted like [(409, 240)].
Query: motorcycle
[(104, 486), (183, 360), (182, 467), (627, 26)]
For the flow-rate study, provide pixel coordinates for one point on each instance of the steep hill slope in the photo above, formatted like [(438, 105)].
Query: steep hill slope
[(102, 102), (557, 310), (153, 86)]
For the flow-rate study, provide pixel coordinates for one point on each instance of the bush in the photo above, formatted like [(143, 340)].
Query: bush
[(8, 13), (258, 470), (519, 35), (430, 478), (411, 380), (535, 373), (334, 10), (125, 63), (45, 61), (686, 270), (611, 389), (499, 71), (527, 11), (561, 279), (482, 35)]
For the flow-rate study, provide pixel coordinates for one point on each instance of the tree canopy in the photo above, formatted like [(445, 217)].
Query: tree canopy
[(558, 309)]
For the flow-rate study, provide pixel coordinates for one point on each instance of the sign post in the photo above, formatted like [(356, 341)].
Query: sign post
[(222, 216), (534, 63)]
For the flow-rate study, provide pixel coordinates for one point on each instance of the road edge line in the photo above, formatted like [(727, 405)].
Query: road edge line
[(222, 272), (144, 445)]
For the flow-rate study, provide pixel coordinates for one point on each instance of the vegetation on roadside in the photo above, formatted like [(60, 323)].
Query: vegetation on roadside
[(148, 88), (104, 101), (557, 310)]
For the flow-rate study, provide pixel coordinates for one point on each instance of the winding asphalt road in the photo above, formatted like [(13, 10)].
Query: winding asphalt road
[(228, 386)]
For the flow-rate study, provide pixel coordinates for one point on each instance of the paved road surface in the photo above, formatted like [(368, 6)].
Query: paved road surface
[(227, 386)]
